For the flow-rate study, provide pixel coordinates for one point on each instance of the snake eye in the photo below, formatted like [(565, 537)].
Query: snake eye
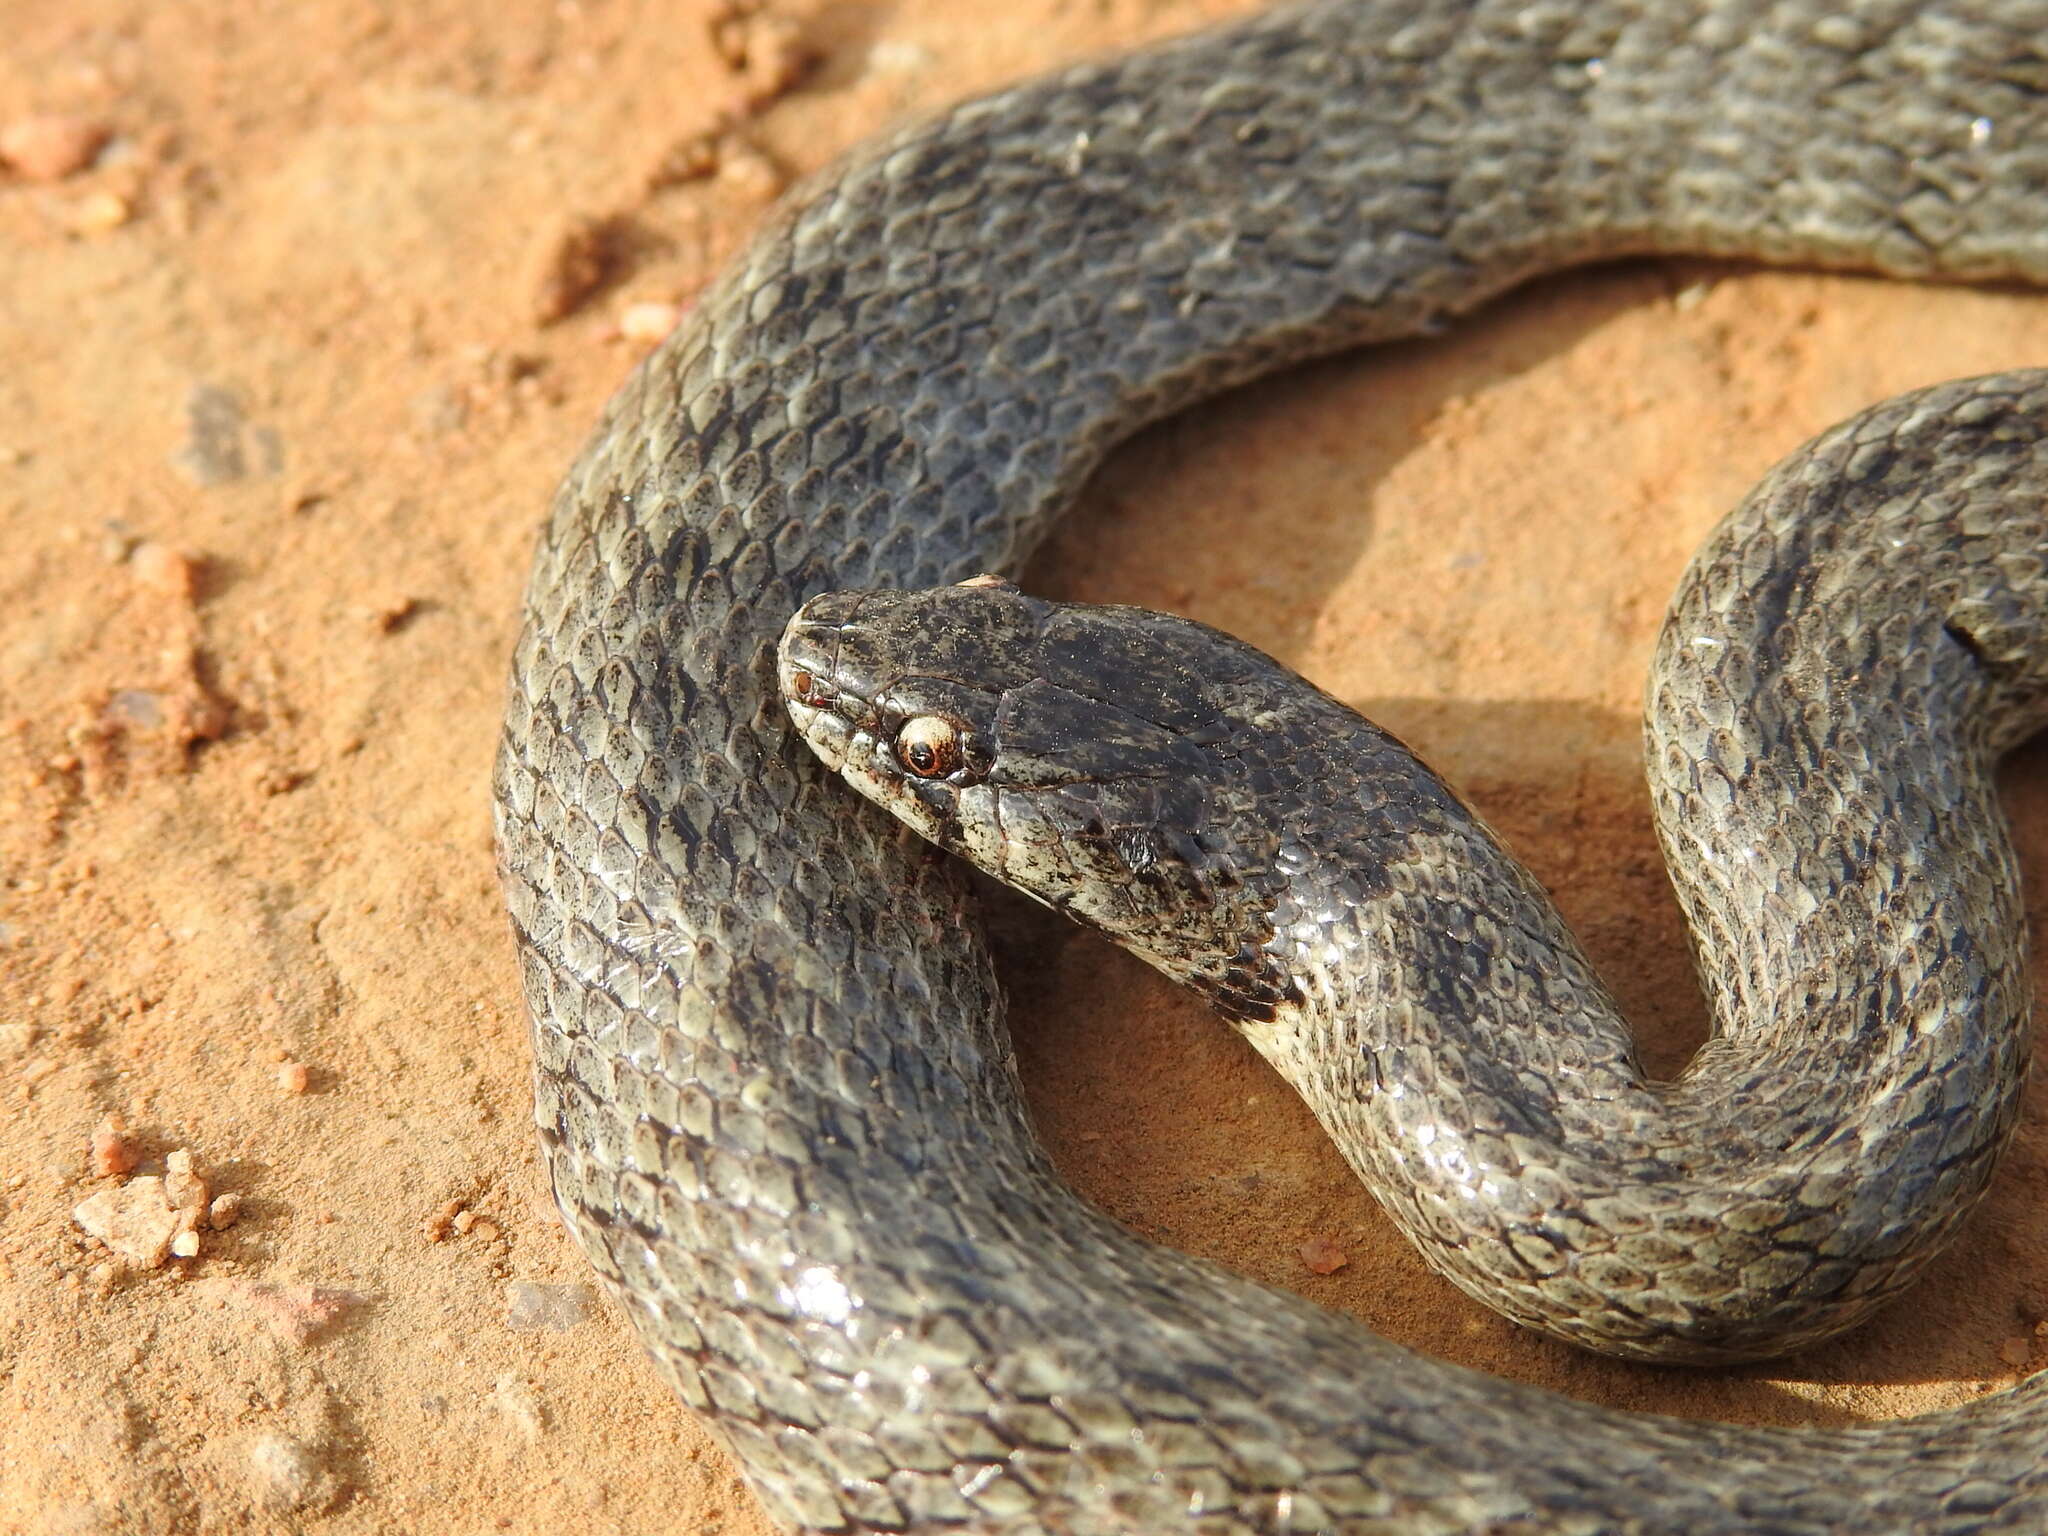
[(929, 746)]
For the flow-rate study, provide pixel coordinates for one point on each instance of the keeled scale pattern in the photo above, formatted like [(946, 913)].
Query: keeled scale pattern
[(1838, 673), (773, 1086)]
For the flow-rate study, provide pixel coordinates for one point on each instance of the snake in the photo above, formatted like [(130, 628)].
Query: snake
[(774, 1088)]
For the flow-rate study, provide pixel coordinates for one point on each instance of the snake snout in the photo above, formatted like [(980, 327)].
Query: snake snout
[(806, 675)]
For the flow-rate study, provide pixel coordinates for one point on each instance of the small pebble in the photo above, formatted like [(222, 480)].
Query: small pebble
[(51, 146), (219, 444), (519, 1405), (2016, 1351), (649, 322), (769, 53), (295, 1313), (225, 1211), (392, 612), (439, 410), (437, 1227), (293, 1077), (164, 569), (287, 1471), (574, 264), (113, 1153), (692, 158), (531, 1307), (274, 779), (184, 1191), (139, 708), (899, 58), (1322, 1257), (1692, 296), (98, 212), (134, 1221), (747, 173)]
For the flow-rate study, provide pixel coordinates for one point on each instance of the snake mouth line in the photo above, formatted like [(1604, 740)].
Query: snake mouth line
[(830, 736)]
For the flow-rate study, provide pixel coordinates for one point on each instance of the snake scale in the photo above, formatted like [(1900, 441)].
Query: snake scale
[(774, 1090)]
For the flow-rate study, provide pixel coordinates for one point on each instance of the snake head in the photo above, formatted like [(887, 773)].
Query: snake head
[(1079, 754)]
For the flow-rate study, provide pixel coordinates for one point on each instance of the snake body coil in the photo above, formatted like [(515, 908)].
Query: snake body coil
[(774, 1091)]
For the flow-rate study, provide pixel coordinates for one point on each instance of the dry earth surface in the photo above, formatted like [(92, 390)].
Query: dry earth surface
[(304, 309)]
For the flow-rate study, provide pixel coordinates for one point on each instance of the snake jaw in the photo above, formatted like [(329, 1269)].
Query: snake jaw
[(824, 732)]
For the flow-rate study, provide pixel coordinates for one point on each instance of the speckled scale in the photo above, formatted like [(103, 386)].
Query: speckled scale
[(812, 1015)]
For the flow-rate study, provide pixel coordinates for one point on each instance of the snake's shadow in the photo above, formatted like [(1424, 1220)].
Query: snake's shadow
[(1165, 1118)]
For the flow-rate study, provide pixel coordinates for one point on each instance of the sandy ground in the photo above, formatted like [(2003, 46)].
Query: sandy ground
[(290, 368)]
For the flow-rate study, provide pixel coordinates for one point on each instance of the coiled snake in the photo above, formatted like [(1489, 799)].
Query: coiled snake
[(773, 1090)]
